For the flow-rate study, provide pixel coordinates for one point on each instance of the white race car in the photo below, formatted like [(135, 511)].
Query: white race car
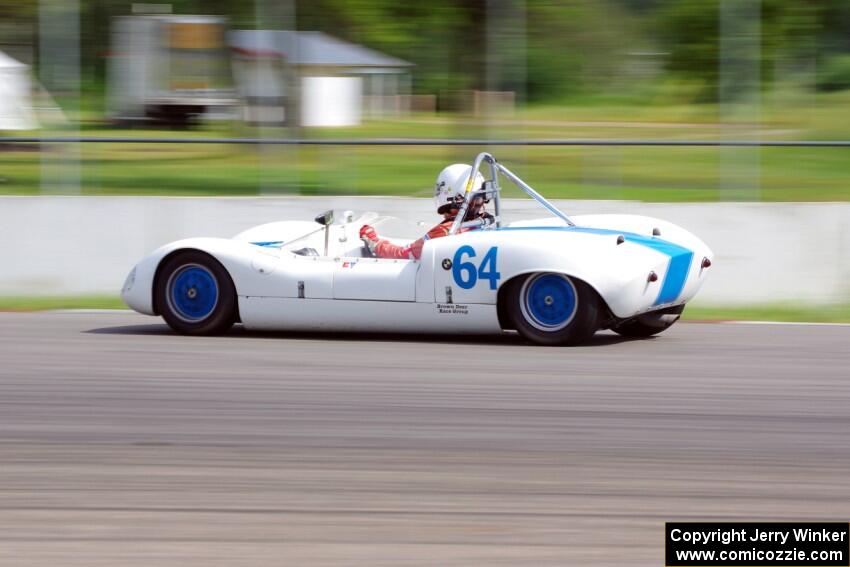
[(555, 280)]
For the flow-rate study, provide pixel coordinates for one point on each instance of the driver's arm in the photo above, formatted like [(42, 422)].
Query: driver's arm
[(386, 249)]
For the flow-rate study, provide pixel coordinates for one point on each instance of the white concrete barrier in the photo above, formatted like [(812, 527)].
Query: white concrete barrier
[(765, 252)]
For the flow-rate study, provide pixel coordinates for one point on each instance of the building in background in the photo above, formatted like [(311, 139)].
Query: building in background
[(168, 68), (339, 82), (16, 112)]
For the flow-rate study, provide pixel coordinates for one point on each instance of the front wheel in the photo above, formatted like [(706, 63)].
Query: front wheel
[(195, 294), (650, 324), (552, 309)]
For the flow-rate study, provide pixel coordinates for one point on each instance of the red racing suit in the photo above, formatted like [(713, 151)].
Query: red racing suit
[(386, 249)]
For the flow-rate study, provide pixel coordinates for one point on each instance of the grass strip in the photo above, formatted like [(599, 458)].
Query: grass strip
[(13, 303), (835, 313)]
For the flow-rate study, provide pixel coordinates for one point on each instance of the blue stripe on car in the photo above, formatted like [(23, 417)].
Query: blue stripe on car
[(270, 243), (677, 269)]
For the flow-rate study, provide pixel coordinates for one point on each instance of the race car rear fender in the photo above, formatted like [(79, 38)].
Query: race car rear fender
[(621, 279), (616, 271)]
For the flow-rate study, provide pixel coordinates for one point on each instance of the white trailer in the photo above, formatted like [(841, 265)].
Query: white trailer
[(168, 68)]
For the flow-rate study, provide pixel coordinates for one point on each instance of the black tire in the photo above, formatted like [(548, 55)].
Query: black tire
[(195, 295), (650, 324), (552, 309)]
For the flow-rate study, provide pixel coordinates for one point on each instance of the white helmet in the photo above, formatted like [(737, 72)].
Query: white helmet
[(451, 185)]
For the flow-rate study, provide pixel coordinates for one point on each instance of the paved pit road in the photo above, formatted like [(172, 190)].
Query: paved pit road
[(122, 444)]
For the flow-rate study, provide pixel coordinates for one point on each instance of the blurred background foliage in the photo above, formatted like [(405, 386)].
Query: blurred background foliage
[(573, 47), (579, 69)]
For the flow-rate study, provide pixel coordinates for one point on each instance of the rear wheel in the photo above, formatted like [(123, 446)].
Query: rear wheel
[(195, 294), (650, 324), (552, 309)]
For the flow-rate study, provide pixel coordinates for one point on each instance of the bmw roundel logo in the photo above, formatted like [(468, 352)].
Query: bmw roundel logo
[(447, 264)]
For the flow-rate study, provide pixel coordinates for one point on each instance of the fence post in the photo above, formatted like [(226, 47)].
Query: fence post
[(59, 71)]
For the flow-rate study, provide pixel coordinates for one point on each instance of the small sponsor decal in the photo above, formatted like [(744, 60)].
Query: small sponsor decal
[(349, 264), (452, 309), (447, 264)]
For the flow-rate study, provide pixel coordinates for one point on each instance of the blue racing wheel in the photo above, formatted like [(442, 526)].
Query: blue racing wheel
[(192, 293), (195, 295), (551, 309)]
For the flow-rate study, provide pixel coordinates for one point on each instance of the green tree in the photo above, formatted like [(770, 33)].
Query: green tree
[(790, 31)]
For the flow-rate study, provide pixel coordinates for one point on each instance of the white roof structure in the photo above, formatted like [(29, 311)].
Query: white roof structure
[(311, 48), (15, 95), (7, 62)]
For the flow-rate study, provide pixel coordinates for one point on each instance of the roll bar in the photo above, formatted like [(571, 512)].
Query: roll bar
[(492, 191)]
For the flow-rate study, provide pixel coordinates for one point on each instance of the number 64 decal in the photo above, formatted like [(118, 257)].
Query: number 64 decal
[(466, 274)]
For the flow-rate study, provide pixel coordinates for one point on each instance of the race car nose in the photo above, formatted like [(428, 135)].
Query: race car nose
[(129, 281)]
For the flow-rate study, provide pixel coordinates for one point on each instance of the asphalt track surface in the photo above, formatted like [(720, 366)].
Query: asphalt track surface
[(122, 444)]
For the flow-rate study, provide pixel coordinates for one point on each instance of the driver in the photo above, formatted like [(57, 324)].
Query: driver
[(448, 196)]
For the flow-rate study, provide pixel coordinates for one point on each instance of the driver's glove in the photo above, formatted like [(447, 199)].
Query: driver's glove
[(369, 237)]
